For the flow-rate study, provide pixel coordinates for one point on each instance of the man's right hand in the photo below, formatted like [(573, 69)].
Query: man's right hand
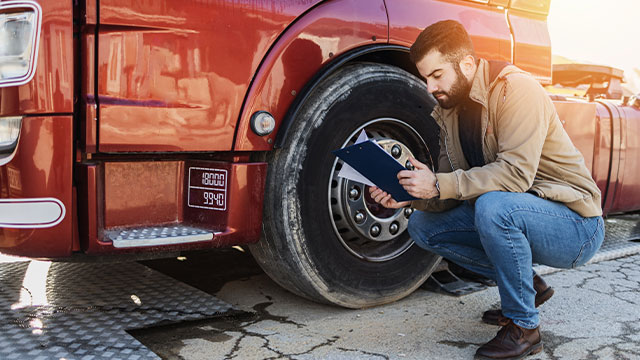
[(385, 199)]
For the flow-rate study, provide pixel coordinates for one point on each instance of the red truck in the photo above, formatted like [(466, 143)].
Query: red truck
[(159, 126)]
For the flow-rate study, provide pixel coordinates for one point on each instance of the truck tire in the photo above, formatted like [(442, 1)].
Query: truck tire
[(323, 236)]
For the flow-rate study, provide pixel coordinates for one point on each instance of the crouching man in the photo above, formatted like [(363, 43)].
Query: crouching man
[(511, 188)]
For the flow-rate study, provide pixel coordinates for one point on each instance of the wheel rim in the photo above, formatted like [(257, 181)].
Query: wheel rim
[(366, 229)]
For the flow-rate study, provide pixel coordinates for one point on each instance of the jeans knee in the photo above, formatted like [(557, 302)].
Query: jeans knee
[(414, 228), (490, 209), (418, 229)]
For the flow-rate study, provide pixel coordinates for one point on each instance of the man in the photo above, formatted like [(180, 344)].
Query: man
[(511, 189)]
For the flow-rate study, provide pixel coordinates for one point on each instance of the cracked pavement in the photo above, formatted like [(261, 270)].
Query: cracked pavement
[(594, 314)]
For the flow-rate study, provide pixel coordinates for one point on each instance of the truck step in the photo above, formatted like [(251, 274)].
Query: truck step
[(157, 235)]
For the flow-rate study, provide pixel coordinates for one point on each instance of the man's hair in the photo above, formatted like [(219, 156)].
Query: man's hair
[(448, 37)]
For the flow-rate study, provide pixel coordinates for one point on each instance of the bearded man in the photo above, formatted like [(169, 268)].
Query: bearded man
[(511, 188)]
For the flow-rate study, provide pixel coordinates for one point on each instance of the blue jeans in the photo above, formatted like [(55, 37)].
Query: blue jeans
[(503, 235)]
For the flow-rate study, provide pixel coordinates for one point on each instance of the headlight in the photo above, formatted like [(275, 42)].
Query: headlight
[(19, 37)]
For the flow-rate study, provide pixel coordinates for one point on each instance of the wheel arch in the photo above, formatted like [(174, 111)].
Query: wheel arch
[(313, 43), (389, 54)]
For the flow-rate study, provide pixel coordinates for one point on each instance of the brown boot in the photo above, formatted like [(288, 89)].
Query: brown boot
[(544, 292), (511, 342)]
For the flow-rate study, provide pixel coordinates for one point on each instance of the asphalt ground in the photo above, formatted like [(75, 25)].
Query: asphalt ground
[(594, 314)]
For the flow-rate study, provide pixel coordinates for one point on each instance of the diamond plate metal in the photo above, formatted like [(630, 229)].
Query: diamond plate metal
[(81, 311), (158, 235)]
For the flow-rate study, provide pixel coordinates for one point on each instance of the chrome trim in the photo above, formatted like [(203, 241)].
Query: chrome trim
[(31, 213)]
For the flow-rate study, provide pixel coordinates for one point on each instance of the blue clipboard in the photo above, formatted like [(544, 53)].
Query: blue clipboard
[(377, 165)]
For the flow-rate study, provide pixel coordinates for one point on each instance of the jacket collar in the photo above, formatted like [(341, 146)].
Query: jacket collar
[(480, 89)]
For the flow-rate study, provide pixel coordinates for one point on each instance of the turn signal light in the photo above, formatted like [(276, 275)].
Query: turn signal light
[(262, 123)]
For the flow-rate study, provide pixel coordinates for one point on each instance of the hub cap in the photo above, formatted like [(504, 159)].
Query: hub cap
[(366, 229)]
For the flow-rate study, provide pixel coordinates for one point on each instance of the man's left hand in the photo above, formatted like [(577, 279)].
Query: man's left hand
[(420, 182)]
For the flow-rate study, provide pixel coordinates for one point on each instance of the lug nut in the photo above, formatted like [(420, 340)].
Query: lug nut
[(375, 230), (409, 165), (396, 151), (408, 212), (393, 229), (359, 218), (354, 193)]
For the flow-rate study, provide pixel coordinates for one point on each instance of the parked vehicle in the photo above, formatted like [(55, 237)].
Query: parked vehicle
[(137, 127)]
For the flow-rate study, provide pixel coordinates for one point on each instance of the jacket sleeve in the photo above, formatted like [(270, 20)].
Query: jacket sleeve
[(521, 129), (437, 205)]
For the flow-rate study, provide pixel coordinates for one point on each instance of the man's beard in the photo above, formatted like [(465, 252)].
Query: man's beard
[(459, 91)]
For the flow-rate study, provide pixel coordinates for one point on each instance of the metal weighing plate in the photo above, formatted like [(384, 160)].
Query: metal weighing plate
[(81, 311)]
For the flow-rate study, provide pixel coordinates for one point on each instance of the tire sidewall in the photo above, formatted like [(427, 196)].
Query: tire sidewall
[(351, 97)]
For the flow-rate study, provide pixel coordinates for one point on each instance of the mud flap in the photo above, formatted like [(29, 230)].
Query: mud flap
[(444, 280)]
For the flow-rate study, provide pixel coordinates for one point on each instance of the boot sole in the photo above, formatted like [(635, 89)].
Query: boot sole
[(534, 349)]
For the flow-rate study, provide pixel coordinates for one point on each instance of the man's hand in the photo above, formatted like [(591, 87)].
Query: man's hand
[(385, 199), (420, 182)]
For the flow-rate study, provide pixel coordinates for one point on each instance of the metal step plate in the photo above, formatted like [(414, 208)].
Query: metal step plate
[(157, 235)]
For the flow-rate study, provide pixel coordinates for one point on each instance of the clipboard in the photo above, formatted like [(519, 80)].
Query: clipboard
[(378, 166)]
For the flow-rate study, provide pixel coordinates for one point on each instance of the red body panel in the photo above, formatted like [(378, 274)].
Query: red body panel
[(51, 89), (486, 25), (303, 49), (172, 75), (330, 29), (624, 188), (602, 150), (628, 196), (41, 168), (579, 120), (606, 134), (88, 137)]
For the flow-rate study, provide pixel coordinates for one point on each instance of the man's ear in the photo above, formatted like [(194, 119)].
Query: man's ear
[(468, 66)]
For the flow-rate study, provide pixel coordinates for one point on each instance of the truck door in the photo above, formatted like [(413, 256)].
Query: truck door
[(172, 75)]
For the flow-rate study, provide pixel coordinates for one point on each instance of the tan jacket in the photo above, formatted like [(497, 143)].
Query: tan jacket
[(524, 145)]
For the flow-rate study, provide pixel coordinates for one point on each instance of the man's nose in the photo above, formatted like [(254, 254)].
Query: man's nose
[(431, 87)]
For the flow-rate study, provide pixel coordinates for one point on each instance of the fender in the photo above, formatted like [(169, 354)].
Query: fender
[(327, 31), (384, 49)]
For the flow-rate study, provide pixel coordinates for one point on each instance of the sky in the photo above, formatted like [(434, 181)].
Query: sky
[(603, 32)]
